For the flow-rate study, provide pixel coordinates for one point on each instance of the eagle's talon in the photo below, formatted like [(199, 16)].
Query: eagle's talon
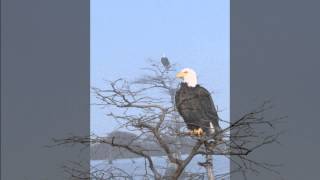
[(201, 132), (193, 132), (198, 132)]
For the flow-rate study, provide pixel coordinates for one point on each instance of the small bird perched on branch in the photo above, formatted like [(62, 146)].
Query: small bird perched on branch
[(165, 62)]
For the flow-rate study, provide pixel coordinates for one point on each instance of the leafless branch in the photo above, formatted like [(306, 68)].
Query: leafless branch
[(146, 107)]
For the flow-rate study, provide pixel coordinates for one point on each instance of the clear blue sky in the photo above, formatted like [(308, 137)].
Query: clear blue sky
[(194, 34)]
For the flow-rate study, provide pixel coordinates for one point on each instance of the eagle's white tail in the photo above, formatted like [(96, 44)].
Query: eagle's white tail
[(212, 130)]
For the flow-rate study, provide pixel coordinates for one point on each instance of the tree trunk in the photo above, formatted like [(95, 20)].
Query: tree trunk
[(209, 163), (209, 167)]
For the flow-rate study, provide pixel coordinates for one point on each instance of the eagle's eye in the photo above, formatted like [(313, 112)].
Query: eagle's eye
[(185, 72)]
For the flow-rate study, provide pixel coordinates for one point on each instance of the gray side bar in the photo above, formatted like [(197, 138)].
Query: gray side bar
[(275, 55), (44, 85)]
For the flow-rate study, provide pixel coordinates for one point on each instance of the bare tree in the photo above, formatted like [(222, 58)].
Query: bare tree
[(146, 108)]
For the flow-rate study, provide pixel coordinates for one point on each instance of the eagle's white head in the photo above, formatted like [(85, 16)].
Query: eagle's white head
[(188, 76)]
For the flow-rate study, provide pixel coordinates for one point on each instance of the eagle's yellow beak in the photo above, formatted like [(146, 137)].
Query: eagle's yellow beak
[(180, 75)]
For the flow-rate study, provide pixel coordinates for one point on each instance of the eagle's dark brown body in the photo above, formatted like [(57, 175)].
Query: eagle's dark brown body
[(196, 107)]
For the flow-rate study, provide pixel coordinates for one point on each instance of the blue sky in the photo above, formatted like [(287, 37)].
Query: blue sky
[(194, 34)]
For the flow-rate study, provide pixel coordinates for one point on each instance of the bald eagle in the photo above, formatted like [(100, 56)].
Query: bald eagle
[(195, 105)]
